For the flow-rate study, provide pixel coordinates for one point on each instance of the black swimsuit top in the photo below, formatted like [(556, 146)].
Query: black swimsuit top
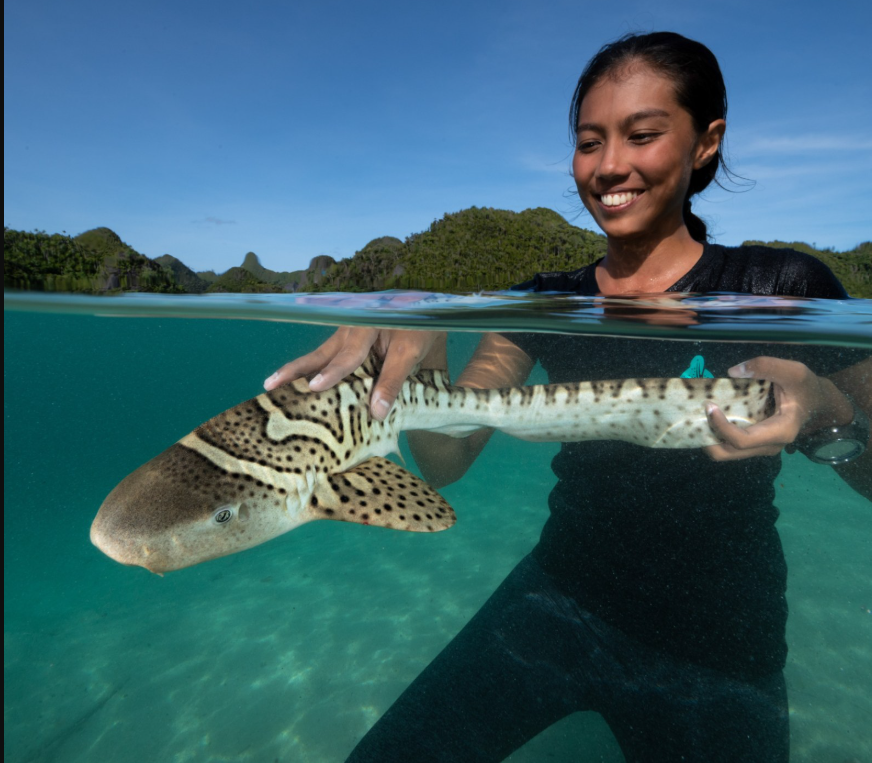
[(677, 550)]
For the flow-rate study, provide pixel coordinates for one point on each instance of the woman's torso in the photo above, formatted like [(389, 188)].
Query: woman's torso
[(673, 548)]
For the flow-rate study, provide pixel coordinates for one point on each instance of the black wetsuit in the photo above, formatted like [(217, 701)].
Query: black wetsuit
[(656, 594)]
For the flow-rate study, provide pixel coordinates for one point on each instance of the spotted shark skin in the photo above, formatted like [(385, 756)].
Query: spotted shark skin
[(291, 456)]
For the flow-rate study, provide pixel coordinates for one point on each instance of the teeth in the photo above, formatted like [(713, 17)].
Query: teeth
[(616, 199)]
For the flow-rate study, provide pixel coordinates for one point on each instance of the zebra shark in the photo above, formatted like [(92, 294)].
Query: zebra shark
[(291, 456)]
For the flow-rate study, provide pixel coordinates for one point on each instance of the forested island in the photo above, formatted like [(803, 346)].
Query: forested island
[(472, 250)]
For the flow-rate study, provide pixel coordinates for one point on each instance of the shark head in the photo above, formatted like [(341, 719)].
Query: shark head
[(180, 509)]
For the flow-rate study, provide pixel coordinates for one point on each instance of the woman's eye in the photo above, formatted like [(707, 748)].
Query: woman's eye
[(587, 145), (643, 137)]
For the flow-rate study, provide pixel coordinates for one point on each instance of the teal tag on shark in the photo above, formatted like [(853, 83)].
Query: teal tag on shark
[(697, 370)]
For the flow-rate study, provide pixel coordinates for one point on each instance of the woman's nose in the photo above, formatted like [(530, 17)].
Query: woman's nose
[(612, 161)]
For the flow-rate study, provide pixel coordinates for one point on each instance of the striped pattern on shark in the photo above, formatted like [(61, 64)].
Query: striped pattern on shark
[(291, 456)]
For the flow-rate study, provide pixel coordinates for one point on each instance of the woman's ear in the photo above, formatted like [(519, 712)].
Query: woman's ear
[(708, 143)]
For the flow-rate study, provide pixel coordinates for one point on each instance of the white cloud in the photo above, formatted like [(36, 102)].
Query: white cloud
[(215, 221), (549, 165), (802, 144), (759, 171)]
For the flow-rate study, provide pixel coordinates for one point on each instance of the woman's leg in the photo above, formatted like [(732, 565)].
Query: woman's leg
[(531, 656), (500, 681), (692, 714)]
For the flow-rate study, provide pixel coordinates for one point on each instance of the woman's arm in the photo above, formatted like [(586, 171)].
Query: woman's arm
[(497, 362), (804, 402)]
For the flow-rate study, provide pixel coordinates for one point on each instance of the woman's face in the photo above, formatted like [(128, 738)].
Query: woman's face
[(635, 151)]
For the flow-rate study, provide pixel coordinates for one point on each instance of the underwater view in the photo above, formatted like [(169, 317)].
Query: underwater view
[(293, 649)]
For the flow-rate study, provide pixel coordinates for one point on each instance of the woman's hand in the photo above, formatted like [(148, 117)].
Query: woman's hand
[(346, 350), (804, 402)]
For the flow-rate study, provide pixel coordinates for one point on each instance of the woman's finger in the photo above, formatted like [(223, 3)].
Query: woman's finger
[(354, 344), (404, 350), (322, 357), (785, 373), (296, 369), (776, 431)]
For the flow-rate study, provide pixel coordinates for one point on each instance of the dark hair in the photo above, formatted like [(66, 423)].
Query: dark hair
[(699, 90)]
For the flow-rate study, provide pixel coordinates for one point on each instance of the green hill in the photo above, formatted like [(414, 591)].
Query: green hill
[(94, 261), (296, 280), (184, 276), (379, 265), (209, 276), (471, 250), (238, 280), (251, 263)]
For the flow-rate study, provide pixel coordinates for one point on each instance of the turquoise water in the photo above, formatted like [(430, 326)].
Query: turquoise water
[(292, 650), (678, 316)]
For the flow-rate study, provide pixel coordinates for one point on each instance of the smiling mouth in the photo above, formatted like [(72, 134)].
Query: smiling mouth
[(617, 200)]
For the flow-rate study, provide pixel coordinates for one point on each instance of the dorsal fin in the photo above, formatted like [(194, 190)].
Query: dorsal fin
[(370, 368), (432, 377)]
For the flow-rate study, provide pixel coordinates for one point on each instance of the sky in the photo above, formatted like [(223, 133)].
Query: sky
[(291, 129)]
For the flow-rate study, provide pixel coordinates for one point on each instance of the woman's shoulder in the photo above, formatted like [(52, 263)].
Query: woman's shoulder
[(761, 269), (581, 281)]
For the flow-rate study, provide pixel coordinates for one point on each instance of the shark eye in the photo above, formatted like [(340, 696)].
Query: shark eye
[(223, 515)]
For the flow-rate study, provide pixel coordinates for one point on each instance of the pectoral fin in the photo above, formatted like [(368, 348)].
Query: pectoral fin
[(379, 492)]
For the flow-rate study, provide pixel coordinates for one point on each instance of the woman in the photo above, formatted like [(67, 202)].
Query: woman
[(656, 593)]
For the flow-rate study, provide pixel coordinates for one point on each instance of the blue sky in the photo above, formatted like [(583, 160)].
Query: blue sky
[(209, 129)]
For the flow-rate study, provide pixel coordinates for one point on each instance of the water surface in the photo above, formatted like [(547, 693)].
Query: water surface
[(291, 651)]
